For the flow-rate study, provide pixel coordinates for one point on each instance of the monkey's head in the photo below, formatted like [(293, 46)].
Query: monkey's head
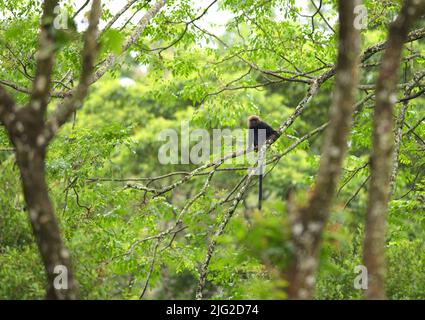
[(253, 121)]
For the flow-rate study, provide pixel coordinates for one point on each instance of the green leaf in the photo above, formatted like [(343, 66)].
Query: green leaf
[(112, 41)]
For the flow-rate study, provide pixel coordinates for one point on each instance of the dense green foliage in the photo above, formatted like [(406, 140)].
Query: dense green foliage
[(204, 78)]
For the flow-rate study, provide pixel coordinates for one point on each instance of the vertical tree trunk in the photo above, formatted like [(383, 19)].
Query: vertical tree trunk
[(30, 129), (55, 256), (308, 222), (383, 143)]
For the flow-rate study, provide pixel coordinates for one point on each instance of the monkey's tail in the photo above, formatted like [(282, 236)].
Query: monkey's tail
[(260, 190)]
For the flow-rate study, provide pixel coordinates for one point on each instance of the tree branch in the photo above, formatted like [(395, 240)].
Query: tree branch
[(44, 60), (89, 53)]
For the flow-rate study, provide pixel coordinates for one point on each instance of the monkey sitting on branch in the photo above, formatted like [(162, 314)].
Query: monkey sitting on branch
[(259, 133)]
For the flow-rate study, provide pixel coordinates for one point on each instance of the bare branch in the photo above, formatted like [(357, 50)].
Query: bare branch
[(412, 36), (63, 111), (155, 250), (44, 60), (322, 16), (186, 28), (111, 59), (80, 9), (213, 240), (357, 192), (117, 16), (26, 90)]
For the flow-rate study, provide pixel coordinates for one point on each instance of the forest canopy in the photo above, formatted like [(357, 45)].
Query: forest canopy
[(125, 165)]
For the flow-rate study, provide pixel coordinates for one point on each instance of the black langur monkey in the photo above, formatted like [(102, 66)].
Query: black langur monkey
[(255, 123)]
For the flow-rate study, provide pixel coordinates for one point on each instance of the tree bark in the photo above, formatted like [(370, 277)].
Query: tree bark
[(383, 143), (30, 130), (308, 222), (27, 130), (44, 224)]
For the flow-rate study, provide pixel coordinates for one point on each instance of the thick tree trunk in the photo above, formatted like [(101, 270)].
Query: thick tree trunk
[(55, 256), (309, 222), (30, 130), (382, 153)]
